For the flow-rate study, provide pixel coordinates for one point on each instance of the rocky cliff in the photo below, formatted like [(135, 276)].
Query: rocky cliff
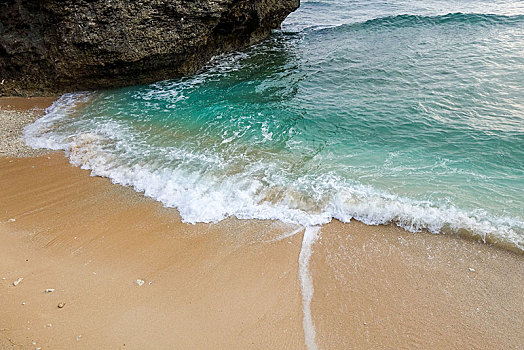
[(53, 46)]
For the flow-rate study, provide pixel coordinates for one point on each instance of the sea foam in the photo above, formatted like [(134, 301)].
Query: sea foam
[(311, 235), (202, 192)]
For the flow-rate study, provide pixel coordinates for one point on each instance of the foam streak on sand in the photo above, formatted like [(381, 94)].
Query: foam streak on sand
[(289, 234), (311, 235)]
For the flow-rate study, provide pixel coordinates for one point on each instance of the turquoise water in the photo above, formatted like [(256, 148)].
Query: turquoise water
[(376, 110)]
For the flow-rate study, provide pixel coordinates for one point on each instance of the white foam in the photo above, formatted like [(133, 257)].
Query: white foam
[(288, 234), (200, 185), (39, 135), (311, 235)]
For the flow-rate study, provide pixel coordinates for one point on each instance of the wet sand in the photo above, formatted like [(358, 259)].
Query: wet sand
[(212, 286), (233, 285), (27, 103)]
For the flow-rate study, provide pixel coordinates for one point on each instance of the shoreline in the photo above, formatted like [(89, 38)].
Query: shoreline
[(29, 109), (234, 284)]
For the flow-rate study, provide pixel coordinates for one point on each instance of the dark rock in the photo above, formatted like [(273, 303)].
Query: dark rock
[(52, 46)]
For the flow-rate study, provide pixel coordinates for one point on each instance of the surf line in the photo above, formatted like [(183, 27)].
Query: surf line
[(311, 235)]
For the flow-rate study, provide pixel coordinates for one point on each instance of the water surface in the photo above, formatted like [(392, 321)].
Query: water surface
[(383, 111)]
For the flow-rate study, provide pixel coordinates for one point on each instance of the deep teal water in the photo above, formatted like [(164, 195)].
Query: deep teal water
[(377, 110)]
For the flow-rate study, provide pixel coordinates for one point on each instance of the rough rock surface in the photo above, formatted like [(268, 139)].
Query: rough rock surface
[(53, 46)]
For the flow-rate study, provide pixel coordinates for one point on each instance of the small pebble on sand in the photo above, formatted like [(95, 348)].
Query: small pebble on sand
[(61, 305), (140, 282), (17, 282)]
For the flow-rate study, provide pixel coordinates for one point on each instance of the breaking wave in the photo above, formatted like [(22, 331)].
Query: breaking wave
[(208, 186)]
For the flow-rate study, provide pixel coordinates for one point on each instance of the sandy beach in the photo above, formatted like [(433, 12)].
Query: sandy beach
[(88, 264)]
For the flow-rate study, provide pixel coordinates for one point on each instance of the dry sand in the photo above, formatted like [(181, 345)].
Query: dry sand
[(231, 285)]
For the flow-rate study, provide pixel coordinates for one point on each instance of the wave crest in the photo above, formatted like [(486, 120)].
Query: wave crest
[(409, 20)]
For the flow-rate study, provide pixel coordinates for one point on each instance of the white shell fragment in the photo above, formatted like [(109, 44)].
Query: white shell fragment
[(140, 282)]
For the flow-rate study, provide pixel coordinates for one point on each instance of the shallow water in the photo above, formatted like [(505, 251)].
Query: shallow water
[(376, 110)]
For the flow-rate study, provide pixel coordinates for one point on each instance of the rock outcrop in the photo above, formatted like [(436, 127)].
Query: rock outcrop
[(53, 46)]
